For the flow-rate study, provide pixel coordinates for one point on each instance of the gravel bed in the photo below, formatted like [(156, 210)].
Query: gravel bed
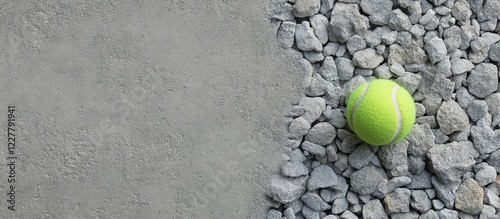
[(446, 54)]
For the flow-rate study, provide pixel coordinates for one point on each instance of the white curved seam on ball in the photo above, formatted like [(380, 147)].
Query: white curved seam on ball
[(357, 104), (398, 113)]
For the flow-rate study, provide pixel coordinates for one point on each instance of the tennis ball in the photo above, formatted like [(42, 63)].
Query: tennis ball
[(381, 112)]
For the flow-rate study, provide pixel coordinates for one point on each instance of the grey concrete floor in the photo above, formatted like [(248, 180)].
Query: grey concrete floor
[(132, 109)]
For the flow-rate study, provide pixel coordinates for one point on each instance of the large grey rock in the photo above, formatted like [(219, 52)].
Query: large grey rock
[(477, 110), (445, 192), (346, 20), (355, 43), (431, 214), (273, 214), (299, 127), (326, 5), (319, 23), (281, 10), (461, 11), (449, 161), (486, 140), (374, 210), (452, 38), (469, 197), (421, 180), (286, 34), (420, 201), (447, 214), (461, 66), (367, 58), (306, 8), (494, 160), (305, 38), (294, 169), (483, 80), (328, 70), (394, 158), (399, 21), (436, 49), (322, 133), (379, 11), (494, 53), (284, 189), (322, 177), (489, 10), (339, 205), (313, 149), (314, 201), (485, 174), (345, 68), (479, 50), (398, 201), (309, 213), (361, 157), (420, 139), (366, 180), (313, 108), (451, 117)]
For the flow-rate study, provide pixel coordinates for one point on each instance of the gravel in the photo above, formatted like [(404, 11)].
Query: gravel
[(446, 53)]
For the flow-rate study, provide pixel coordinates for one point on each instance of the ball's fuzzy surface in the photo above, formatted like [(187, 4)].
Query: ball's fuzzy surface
[(381, 112)]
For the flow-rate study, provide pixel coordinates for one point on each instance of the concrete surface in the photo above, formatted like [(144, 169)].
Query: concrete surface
[(134, 109)]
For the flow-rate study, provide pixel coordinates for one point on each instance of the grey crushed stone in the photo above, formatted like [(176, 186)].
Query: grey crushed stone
[(322, 177), (445, 53), (451, 117), (469, 197)]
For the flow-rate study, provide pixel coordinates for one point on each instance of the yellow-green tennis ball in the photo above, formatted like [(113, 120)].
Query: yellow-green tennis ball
[(381, 112)]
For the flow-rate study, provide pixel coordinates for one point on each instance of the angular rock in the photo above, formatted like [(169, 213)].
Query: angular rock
[(469, 197), (449, 161), (420, 201), (309, 213), (361, 157), (306, 8), (485, 174), (420, 140), (322, 133), (421, 181), (477, 110), (284, 189), (294, 169), (305, 38), (345, 68), (326, 5), (483, 80), (329, 70), (339, 205), (286, 34), (314, 201), (355, 43), (299, 127), (485, 139), (320, 23), (314, 149), (346, 20), (394, 158), (273, 214), (322, 177), (399, 21), (461, 11), (451, 117), (374, 210), (367, 58), (447, 214), (431, 214), (436, 49), (379, 10), (366, 180), (398, 201), (313, 108), (461, 66)]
